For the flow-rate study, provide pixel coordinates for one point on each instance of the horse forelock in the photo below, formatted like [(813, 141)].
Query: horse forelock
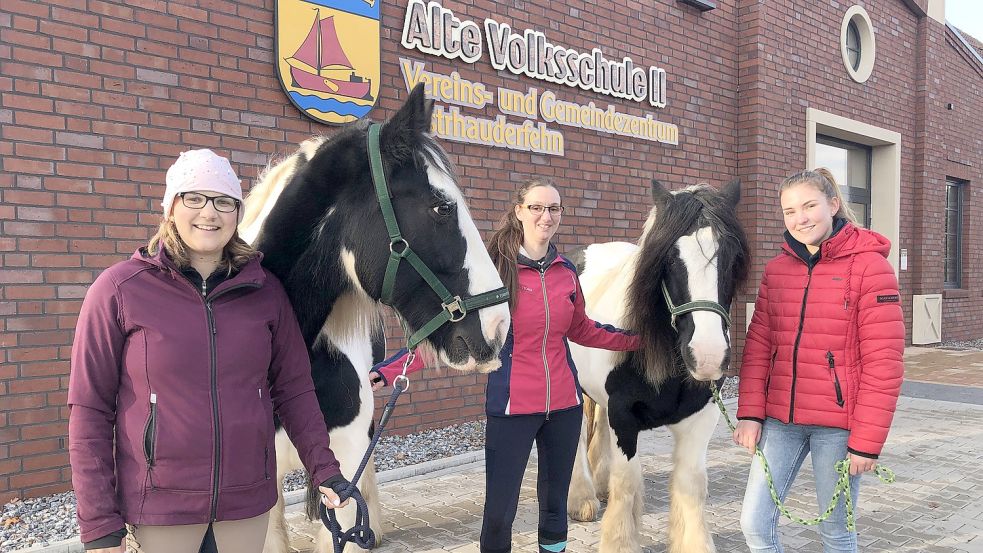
[(435, 156), (718, 238)]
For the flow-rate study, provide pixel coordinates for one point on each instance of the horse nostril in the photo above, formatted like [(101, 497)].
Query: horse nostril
[(500, 332), (461, 348), (494, 325)]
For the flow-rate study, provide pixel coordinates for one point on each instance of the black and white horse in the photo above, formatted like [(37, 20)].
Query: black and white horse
[(316, 219), (675, 289)]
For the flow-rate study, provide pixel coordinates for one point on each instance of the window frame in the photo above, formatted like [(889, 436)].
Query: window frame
[(857, 18), (853, 194), (953, 282), (854, 53)]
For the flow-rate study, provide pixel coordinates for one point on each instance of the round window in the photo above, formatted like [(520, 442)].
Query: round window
[(853, 45), (857, 44)]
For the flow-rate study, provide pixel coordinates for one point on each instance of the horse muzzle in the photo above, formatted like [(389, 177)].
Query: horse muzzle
[(705, 364), (474, 344)]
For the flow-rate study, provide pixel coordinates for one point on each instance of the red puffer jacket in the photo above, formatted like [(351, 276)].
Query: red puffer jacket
[(826, 340)]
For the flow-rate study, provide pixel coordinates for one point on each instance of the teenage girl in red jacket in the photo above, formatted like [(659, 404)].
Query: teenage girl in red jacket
[(535, 395), (822, 365)]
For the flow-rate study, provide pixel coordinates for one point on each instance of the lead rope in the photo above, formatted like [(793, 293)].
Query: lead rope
[(885, 474), (361, 533)]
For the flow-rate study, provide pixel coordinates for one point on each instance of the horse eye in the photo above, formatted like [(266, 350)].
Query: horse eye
[(444, 209)]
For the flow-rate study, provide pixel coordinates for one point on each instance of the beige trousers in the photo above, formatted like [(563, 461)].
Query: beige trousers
[(231, 536)]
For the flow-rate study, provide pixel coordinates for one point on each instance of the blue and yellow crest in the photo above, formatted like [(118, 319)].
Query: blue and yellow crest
[(327, 56)]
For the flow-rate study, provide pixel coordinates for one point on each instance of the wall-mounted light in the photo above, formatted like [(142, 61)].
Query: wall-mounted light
[(950, 106)]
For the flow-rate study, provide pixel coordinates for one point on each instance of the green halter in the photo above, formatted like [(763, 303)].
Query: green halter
[(453, 308), (699, 305)]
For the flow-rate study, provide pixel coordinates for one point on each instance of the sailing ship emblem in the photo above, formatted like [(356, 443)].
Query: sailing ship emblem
[(326, 63)]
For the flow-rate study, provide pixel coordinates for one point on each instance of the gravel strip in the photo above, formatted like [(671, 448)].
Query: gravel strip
[(964, 345), (399, 451), (44, 520)]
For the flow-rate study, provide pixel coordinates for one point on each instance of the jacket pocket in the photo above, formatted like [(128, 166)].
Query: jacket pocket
[(150, 433), (836, 380), (771, 369)]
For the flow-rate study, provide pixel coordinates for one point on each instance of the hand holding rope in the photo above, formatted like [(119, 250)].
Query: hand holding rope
[(361, 533), (885, 474)]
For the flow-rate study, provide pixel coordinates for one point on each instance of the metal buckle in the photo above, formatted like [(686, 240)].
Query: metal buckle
[(401, 378), (404, 251), (455, 306)]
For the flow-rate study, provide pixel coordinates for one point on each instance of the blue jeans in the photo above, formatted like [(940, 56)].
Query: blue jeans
[(785, 447)]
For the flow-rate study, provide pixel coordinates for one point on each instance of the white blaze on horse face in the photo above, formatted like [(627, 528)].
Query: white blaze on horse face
[(709, 343), (483, 275)]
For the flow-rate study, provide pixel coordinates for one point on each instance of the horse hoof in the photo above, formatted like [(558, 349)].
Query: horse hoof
[(587, 511), (619, 548)]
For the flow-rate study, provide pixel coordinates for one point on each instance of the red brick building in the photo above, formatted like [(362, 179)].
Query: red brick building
[(96, 102)]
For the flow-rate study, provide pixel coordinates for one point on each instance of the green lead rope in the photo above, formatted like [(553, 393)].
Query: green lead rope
[(885, 474)]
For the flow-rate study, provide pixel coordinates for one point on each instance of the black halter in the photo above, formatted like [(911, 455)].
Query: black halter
[(453, 308)]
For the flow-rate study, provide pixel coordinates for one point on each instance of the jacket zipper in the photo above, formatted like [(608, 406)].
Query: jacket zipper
[(771, 370), (214, 380), (836, 379), (266, 449), (150, 433), (795, 350), (546, 366), (213, 368)]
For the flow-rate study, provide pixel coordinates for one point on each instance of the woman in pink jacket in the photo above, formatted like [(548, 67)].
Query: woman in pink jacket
[(535, 396), (822, 365)]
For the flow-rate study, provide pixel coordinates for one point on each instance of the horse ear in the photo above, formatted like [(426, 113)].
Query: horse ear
[(731, 192), (413, 119), (660, 194)]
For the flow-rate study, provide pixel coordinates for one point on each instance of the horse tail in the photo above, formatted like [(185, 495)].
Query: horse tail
[(313, 501)]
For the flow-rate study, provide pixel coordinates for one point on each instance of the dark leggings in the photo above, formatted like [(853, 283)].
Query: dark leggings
[(508, 441)]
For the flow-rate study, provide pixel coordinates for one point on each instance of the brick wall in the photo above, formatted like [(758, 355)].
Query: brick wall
[(961, 84), (96, 103)]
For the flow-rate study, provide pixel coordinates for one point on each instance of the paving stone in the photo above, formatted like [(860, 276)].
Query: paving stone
[(936, 505)]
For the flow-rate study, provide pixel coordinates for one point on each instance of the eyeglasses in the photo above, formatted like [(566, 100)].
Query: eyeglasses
[(223, 204), (538, 209)]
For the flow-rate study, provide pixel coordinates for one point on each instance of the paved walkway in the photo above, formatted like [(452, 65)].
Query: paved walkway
[(936, 505)]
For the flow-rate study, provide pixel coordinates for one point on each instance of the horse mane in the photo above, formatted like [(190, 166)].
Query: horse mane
[(682, 213), (271, 180)]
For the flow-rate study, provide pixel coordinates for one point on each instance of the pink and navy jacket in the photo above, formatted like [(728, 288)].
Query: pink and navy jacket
[(172, 397), (538, 374)]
